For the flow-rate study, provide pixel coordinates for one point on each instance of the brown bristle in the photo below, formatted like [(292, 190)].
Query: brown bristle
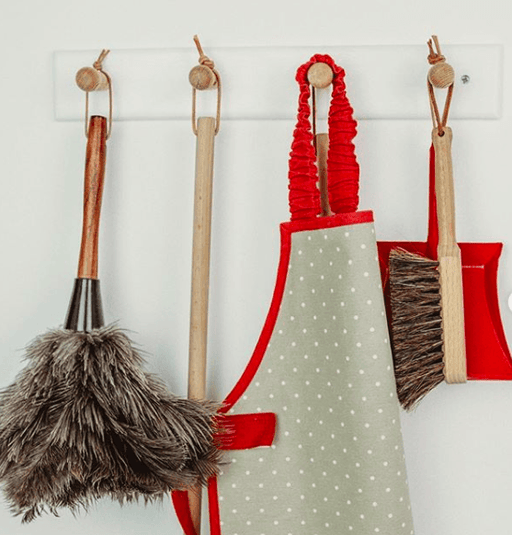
[(84, 420), (416, 326)]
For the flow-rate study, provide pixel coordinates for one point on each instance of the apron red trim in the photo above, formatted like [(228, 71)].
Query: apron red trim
[(246, 431), (258, 429), (182, 508), (242, 431), (287, 229), (253, 430), (213, 507)]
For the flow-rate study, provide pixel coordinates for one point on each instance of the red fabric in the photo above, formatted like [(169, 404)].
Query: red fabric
[(213, 507), (339, 220), (264, 422), (241, 431), (287, 229), (246, 431), (342, 166), (253, 430), (182, 508), (268, 328), (304, 196), (433, 227)]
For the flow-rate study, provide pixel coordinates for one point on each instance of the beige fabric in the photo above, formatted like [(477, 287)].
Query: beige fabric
[(337, 464)]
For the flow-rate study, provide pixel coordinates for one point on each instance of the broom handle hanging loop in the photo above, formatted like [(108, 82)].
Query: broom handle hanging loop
[(96, 79), (441, 75), (202, 77)]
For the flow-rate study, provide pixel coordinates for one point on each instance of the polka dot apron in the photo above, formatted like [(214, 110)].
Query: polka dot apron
[(317, 446)]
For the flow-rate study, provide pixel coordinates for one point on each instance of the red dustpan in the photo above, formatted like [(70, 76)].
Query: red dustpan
[(487, 353)]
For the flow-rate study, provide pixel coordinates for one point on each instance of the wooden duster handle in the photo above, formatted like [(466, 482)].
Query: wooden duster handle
[(450, 265), (200, 277), (322, 147), (93, 191)]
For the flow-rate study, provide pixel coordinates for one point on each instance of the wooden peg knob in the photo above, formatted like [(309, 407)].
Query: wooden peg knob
[(441, 75), (91, 79), (320, 75), (202, 77)]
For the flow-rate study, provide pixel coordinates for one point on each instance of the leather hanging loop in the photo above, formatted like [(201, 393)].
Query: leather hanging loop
[(103, 75), (201, 77), (441, 75), (343, 170)]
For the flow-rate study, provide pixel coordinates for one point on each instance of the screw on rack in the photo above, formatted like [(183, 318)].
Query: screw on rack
[(465, 79)]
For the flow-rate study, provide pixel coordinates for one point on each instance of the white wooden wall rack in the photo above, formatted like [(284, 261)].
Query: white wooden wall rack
[(385, 82)]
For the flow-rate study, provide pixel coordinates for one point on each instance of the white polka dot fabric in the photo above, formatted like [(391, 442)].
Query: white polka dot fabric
[(337, 464)]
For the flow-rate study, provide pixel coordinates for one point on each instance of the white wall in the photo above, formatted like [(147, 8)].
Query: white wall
[(458, 442)]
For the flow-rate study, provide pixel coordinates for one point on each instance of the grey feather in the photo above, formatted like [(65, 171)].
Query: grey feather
[(83, 420)]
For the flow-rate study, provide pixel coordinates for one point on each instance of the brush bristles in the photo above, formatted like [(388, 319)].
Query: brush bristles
[(83, 420), (416, 326)]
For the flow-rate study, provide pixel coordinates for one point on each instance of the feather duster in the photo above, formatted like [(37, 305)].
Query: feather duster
[(83, 420)]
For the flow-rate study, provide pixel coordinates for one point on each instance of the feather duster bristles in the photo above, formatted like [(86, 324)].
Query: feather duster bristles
[(83, 420)]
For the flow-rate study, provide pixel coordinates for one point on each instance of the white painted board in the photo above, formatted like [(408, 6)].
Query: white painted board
[(384, 82)]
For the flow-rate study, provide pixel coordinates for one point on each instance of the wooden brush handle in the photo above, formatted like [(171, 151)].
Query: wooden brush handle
[(445, 194), (93, 191), (450, 265)]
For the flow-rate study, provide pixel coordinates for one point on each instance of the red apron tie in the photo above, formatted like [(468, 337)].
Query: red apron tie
[(239, 432)]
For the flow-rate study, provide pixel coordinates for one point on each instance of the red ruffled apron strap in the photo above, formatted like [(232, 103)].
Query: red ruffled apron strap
[(304, 197), (342, 166), (238, 432)]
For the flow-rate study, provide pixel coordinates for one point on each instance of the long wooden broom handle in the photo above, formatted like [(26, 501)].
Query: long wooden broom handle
[(93, 192), (200, 277), (450, 265)]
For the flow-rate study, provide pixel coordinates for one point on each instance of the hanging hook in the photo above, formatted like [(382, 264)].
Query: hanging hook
[(95, 79), (320, 76), (201, 77), (440, 75)]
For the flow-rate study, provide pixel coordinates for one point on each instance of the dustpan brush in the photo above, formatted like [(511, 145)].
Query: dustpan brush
[(426, 298), (83, 419)]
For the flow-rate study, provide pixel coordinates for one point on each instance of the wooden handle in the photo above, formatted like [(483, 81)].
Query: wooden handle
[(200, 277), (93, 191), (450, 265), (322, 147), (445, 194), (201, 257)]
